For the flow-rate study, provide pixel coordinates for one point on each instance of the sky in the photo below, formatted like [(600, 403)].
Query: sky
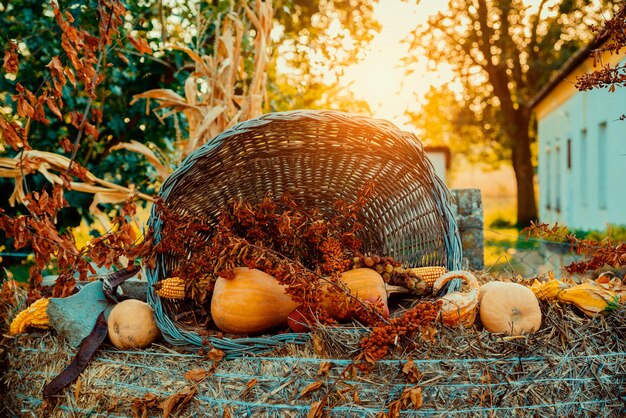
[(379, 78)]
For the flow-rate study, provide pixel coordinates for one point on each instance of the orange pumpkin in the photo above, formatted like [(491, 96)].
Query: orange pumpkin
[(510, 308), (252, 302), (364, 283), (458, 308)]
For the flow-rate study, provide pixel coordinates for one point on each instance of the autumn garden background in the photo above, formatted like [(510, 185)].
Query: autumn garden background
[(87, 89), (101, 101)]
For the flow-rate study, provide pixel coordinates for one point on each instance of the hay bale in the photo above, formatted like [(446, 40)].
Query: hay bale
[(574, 366)]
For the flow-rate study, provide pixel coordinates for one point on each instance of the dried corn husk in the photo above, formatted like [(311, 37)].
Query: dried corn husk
[(210, 104), (591, 298), (51, 165)]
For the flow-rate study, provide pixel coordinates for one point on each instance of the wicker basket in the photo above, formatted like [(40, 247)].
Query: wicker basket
[(318, 157)]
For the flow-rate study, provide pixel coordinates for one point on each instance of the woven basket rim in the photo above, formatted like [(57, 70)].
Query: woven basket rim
[(380, 126)]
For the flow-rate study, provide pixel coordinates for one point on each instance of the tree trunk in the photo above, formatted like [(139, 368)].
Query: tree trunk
[(522, 166)]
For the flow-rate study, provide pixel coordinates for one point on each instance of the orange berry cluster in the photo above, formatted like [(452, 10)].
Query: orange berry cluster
[(333, 256), (378, 343)]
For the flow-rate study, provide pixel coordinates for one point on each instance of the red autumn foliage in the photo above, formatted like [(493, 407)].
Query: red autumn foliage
[(598, 253), (606, 75), (11, 62), (140, 44), (39, 231), (83, 58)]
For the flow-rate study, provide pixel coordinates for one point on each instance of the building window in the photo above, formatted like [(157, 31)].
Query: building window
[(557, 174), (583, 167), (569, 154), (603, 172), (548, 179)]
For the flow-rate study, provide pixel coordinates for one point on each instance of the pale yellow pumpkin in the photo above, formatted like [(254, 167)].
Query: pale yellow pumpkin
[(252, 302), (482, 291), (131, 324), (510, 308)]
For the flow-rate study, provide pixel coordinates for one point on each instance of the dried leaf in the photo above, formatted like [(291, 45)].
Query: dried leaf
[(77, 387), (198, 375), (11, 62), (318, 344), (191, 90), (408, 366), (142, 149), (69, 73), (26, 101), (57, 73), (411, 371), (251, 383), (177, 400), (395, 408), (66, 144), (416, 396), (123, 58), (216, 354), (114, 401), (13, 134), (317, 409), (139, 406), (91, 130), (140, 44), (54, 107), (325, 368), (160, 94), (311, 387)]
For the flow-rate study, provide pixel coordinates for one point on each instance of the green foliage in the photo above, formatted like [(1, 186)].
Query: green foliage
[(446, 118), (616, 233), (527, 46), (30, 24), (501, 222)]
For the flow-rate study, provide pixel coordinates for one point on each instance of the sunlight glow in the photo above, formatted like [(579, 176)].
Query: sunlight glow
[(380, 78)]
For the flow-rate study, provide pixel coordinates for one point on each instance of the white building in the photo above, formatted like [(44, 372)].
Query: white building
[(581, 148), (439, 156)]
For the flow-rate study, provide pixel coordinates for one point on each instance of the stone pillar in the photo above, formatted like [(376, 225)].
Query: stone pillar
[(468, 210)]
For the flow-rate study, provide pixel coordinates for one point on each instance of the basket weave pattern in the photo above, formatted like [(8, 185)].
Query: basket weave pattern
[(317, 157)]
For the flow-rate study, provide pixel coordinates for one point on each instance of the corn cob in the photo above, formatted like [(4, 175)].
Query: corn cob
[(428, 274), (590, 298), (418, 280), (171, 288), (33, 316), (549, 290)]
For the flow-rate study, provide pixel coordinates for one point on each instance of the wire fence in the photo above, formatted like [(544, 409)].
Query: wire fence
[(512, 254)]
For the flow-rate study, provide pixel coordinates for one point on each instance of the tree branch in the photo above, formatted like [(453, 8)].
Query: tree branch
[(92, 87), (534, 35), (497, 73)]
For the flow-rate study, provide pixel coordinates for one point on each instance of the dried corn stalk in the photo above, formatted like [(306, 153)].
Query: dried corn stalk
[(47, 163), (210, 103)]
